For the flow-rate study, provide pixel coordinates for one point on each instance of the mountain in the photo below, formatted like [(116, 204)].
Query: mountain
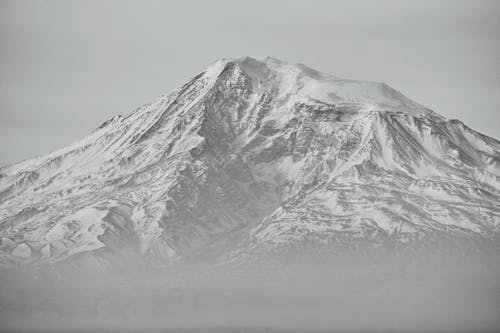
[(249, 157)]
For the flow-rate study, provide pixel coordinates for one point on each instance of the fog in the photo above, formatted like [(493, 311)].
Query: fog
[(348, 293)]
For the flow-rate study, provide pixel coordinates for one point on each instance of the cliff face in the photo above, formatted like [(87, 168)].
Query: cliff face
[(252, 156)]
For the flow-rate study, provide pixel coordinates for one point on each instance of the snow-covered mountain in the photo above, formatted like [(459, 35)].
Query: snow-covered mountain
[(252, 156)]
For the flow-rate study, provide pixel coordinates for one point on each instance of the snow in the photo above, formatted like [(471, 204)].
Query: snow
[(425, 170), (385, 145), (349, 171), (83, 227), (22, 251), (147, 225), (290, 168), (477, 142), (434, 192)]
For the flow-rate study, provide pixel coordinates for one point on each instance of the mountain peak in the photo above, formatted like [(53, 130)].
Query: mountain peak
[(270, 63), (252, 155), (301, 83)]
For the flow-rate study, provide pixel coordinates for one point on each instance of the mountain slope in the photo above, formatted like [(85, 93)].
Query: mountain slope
[(251, 156)]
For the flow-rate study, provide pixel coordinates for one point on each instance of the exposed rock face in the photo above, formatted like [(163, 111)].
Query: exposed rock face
[(252, 156)]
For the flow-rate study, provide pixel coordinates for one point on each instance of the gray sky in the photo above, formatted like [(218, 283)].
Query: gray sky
[(67, 66)]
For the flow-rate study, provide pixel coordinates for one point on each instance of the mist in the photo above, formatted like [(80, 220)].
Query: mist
[(348, 293)]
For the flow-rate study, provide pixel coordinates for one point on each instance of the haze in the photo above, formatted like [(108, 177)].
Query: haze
[(353, 293)]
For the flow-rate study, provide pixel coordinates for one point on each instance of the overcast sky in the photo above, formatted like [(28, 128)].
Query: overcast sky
[(67, 66)]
